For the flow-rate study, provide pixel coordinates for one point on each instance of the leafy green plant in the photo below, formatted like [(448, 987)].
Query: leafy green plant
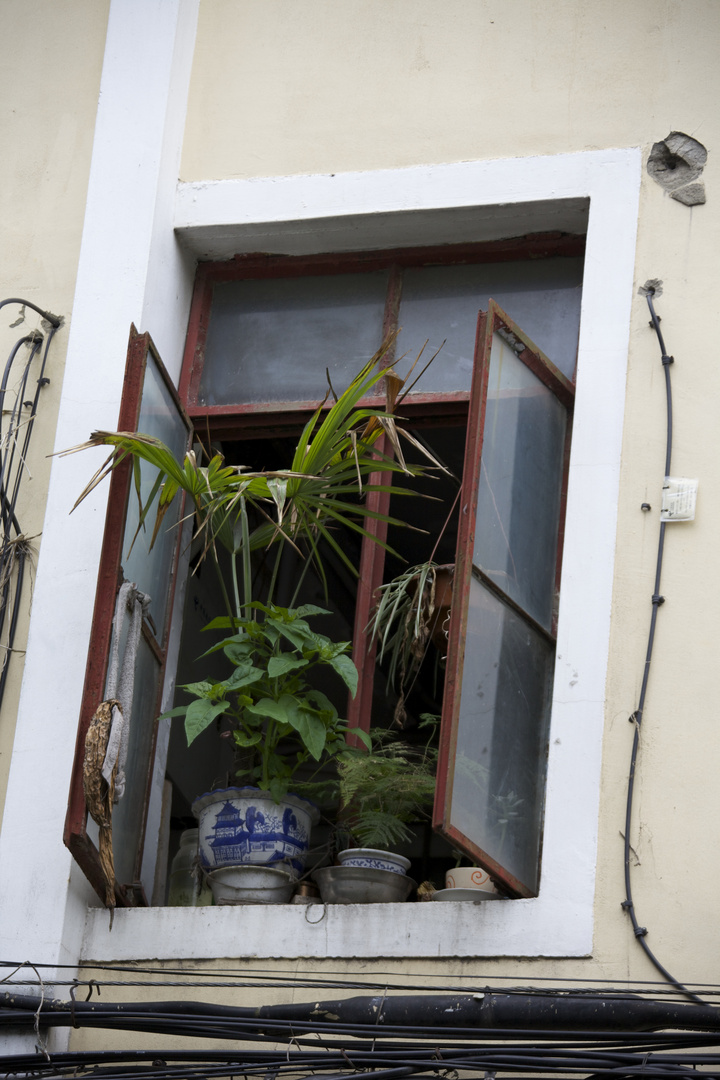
[(407, 617), (404, 622), (401, 618), (385, 790), (273, 711)]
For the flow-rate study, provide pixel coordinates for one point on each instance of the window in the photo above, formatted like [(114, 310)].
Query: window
[(149, 404), (491, 773), (302, 308)]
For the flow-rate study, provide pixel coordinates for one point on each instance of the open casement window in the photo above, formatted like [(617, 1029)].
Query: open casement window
[(263, 332), (149, 404), (491, 773)]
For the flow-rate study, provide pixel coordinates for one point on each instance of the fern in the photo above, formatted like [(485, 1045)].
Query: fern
[(387, 789), (379, 829)]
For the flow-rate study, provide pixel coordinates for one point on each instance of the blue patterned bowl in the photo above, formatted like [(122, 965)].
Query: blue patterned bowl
[(246, 827), (372, 859)]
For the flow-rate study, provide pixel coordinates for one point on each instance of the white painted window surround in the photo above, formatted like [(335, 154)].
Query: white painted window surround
[(141, 237), (423, 205)]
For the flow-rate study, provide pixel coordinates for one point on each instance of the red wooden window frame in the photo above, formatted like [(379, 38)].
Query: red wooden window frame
[(488, 324), (275, 418), (110, 577), (237, 421)]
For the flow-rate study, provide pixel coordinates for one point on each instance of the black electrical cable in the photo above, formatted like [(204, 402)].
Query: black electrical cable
[(13, 544), (21, 553), (584, 993), (633, 1059), (637, 716), (296, 978), (404, 1016), (343, 1054), (54, 320), (12, 550)]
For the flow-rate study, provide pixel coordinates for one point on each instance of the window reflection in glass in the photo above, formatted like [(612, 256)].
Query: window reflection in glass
[(498, 787), (520, 484), (151, 569)]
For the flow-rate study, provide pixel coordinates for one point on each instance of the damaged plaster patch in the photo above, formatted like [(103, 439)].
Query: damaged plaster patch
[(676, 160), (675, 163), (691, 195)]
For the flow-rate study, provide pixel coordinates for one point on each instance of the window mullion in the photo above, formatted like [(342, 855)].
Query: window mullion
[(372, 557), (392, 310), (506, 599), (372, 565)]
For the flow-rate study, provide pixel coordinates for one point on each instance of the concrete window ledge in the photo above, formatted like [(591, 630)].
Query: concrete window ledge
[(510, 928)]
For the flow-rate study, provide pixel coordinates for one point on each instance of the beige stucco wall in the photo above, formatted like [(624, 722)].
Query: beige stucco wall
[(50, 62), (281, 88)]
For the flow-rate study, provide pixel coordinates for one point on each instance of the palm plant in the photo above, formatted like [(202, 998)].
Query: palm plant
[(301, 506)]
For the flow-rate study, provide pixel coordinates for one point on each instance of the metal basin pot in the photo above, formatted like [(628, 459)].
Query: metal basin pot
[(251, 885), (362, 885)]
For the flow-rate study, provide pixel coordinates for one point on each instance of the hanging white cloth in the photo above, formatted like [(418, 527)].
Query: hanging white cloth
[(121, 681)]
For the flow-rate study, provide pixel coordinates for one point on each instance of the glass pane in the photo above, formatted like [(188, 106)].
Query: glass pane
[(128, 814), (151, 570), (499, 772), (442, 303), (520, 484), (272, 340)]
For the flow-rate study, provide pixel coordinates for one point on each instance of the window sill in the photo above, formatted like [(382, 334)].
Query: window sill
[(539, 927)]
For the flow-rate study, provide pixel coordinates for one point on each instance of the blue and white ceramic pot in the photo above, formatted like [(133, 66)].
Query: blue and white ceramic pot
[(246, 827), (374, 859)]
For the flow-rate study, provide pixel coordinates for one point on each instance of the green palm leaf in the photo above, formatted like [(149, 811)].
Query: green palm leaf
[(334, 459)]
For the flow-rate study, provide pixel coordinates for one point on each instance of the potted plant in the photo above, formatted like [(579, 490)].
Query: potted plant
[(278, 723), (412, 611), (383, 790), (272, 648)]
